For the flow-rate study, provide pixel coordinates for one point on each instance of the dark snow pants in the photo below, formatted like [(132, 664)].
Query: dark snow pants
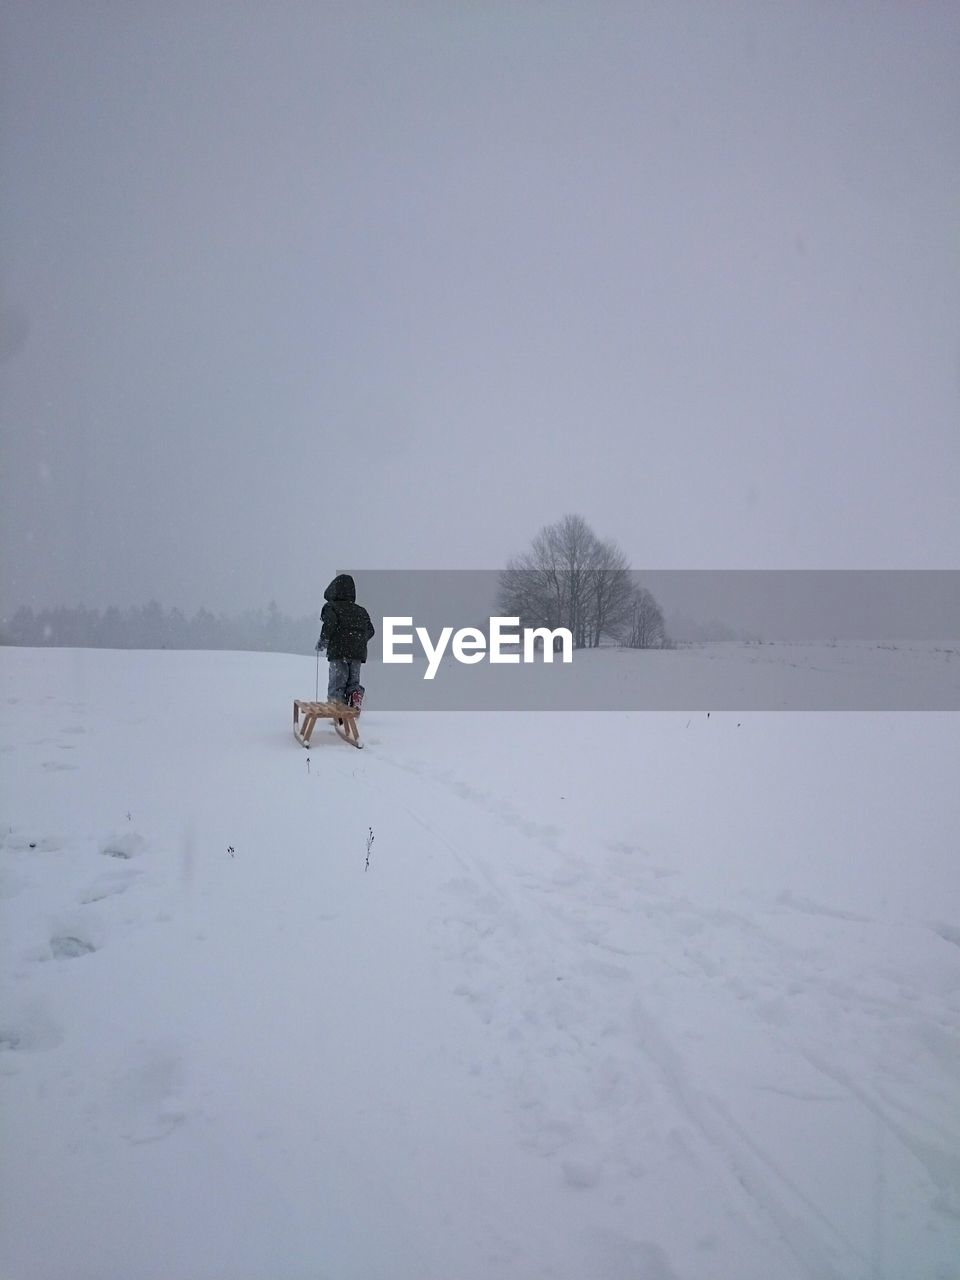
[(344, 678)]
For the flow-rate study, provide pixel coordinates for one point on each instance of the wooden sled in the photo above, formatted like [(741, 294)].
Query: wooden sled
[(314, 711)]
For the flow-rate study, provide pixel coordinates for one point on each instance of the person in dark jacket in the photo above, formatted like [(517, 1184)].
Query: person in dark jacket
[(345, 633)]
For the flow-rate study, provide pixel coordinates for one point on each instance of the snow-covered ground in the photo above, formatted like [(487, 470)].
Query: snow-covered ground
[(645, 996), (851, 675)]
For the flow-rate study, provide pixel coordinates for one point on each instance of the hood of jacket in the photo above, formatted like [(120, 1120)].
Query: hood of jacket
[(341, 588)]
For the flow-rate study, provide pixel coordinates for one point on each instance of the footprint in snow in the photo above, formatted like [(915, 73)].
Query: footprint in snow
[(147, 1095), (614, 1255), (32, 843), (108, 885), (948, 932), (67, 946), (126, 845), (29, 1030), (74, 935)]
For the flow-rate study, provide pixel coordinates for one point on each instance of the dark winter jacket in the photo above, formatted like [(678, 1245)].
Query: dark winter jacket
[(346, 624)]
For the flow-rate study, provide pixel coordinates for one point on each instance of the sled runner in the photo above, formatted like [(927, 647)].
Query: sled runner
[(314, 711)]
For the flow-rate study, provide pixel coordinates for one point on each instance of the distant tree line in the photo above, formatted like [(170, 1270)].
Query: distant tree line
[(568, 578), (151, 626), (571, 578)]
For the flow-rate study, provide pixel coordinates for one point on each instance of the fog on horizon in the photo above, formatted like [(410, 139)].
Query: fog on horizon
[(300, 286)]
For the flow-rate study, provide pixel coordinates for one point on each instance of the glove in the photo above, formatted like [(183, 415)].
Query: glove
[(319, 646)]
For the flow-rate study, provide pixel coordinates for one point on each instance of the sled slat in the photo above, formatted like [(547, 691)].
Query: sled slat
[(314, 711)]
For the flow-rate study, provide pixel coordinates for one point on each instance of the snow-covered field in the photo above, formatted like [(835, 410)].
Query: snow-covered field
[(852, 675), (646, 996)]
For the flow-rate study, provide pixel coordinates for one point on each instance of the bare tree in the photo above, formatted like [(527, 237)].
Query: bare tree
[(646, 629), (545, 586), (572, 547), (569, 578), (531, 592), (610, 592)]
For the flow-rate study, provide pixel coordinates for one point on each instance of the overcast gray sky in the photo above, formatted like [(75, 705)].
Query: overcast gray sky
[(287, 287)]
